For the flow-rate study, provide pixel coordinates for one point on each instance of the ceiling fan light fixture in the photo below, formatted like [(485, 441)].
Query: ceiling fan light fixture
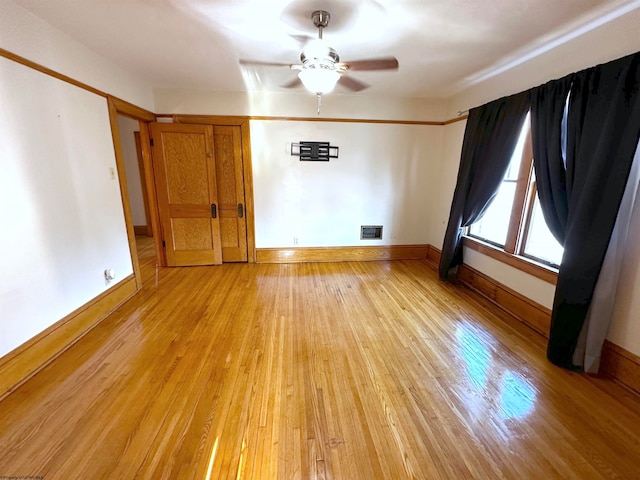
[(320, 68), (319, 80)]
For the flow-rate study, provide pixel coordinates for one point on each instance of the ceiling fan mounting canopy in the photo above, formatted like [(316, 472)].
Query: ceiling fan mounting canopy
[(320, 19)]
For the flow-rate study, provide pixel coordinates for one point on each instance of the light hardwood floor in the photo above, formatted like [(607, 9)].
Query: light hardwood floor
[(370, 370)]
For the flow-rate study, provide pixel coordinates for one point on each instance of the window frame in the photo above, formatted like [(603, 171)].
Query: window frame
[(528, 213), (519, 223)]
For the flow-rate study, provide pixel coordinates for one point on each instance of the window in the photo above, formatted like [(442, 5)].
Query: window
[(514, 222), (538, 241), (493, 227)]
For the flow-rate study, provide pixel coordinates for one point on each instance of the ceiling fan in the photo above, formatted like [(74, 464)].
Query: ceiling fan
[(320, 68)]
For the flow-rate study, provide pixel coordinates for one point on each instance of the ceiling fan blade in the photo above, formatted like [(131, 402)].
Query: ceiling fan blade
[(352, 84), (263, 64), (385, 63), (293, 83)]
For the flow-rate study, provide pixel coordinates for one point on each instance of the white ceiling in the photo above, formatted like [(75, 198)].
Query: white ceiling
[(442, 46)]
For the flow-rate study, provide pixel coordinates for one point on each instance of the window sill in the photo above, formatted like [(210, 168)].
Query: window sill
[(543, 272)]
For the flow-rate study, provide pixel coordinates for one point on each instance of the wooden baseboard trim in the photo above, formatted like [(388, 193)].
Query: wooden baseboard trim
[(341, 254), (617, 363), (141, 230), (532, 313), (25, 361), (433, 256), (621, 365)]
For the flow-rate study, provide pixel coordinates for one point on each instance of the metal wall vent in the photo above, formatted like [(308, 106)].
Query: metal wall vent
[(371, 232)]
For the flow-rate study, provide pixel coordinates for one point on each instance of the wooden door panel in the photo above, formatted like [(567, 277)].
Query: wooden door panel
[(186, 184), (229, 232), (229, 173), (187, 168), (191, 233), (226, 153)]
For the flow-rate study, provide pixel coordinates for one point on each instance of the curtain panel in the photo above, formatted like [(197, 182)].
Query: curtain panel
[(603, 128), (588, 351), (547, 111), (490, 137)]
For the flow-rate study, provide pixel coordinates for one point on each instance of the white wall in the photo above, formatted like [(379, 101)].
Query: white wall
[(59, 205), (612, 40), (126, 127), (298, 104), (447, 174), (385, 175), (60, 208), (26, 35)]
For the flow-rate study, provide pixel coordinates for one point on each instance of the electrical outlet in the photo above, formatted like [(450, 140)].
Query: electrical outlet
[(112, 171), (109, 275), (295, 240)]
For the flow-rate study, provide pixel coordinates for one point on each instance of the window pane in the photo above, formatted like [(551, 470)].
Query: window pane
[(514, 164), (494, 224), (540, 242)]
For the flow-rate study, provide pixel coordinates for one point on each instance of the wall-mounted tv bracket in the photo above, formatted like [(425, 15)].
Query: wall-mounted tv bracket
[(314, 151)]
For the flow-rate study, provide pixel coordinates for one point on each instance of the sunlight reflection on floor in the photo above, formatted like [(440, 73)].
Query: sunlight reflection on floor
[(509, 395)]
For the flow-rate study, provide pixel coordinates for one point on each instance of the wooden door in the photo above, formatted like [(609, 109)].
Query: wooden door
[(187, 193), (229, 168)]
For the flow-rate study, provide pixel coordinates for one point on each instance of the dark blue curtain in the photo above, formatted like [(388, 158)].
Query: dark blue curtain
[(490, 137)]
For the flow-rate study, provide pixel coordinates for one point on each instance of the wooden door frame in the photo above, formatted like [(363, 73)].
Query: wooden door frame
[(247, 170), (148, 231), (144, 117)]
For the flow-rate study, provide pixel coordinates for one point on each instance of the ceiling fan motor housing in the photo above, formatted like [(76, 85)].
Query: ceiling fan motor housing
[(317, 51)]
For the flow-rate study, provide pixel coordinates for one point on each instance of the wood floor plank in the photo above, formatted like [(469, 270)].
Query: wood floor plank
[(349, 370)]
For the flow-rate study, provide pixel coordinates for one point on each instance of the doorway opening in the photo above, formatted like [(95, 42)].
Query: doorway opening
[(133, 160), (132, 157)]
